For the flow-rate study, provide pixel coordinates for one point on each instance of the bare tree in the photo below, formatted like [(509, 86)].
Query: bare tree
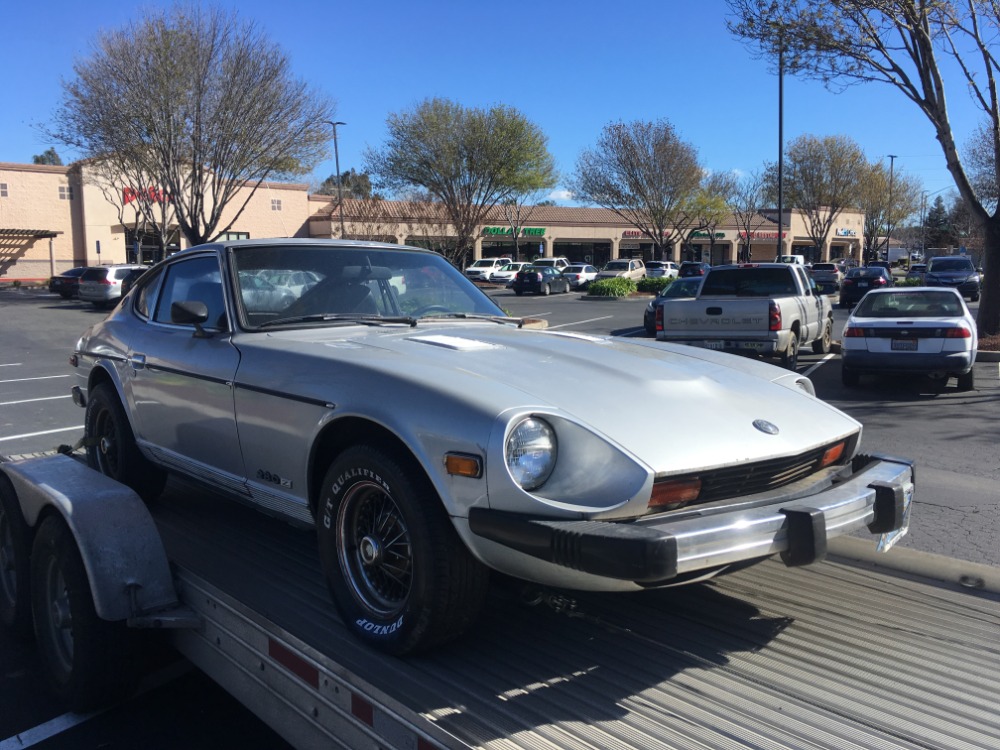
[(517, 211), (467, 160), (901, 43), (644, 173), (747, 204), (201, 104), (821, 177), (885, 203)]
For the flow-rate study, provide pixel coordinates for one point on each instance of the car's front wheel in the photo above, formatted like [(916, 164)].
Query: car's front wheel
[(402, 579), (111, 446)]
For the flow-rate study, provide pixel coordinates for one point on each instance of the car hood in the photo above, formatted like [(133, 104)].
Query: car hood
[(951, 275), (663, 403)]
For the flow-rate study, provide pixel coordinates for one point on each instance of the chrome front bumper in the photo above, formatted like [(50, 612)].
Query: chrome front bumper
[(877, 494)]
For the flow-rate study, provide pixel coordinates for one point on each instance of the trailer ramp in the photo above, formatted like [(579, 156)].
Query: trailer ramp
[(830, 656)]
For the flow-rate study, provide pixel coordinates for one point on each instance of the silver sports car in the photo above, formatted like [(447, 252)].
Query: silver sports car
[(430, 438)]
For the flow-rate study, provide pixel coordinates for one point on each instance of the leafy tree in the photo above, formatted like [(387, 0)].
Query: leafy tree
[(710, 206), (353, 184), (937, 226), (467, 159), (821, 179), (198, 105), (884, 212), (643, 172), (902, 43), (48, 156)]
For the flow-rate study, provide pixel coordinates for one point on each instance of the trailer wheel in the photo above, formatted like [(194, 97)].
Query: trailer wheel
[(111, 447), (89, 662), (15, 574), (402, 579)]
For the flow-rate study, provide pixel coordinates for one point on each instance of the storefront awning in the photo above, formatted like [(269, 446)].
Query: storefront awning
[(34, 234)]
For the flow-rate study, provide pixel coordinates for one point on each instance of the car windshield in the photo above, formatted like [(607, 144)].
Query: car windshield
[(573, 269), (511, 267), (870, 272), (352, 282), (682, 288), (616, 265), (94, 274), (950, 264), (824, 267), (482, 263), (908, 304)]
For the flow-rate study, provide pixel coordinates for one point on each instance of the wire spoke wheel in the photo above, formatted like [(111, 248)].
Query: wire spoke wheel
[(8, 562), (106, 434), (375, 549), (57, 624)]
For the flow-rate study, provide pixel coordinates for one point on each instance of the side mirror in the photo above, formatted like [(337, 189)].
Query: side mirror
[(190, 312)]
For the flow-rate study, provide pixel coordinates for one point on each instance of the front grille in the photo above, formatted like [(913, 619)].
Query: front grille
[(763, 476)]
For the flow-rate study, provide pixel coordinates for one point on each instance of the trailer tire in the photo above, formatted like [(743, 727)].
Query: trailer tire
[(401, 577), (88, 662), (15, 560), (111, 447)]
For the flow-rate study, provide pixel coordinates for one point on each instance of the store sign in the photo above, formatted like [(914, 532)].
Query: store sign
[(847, 233), (525, 231), (762, 235), (151, 194), (629, 246), (717, 235), (631, 233)]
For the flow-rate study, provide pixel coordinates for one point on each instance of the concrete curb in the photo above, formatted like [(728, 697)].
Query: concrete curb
[(960, 574)]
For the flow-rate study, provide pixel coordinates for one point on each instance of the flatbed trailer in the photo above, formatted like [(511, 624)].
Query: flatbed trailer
[(833, 655)]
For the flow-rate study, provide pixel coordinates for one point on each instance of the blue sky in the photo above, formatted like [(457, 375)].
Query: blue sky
[(570, 67)]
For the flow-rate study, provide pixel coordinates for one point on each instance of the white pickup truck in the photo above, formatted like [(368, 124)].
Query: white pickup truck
[(769, 309)]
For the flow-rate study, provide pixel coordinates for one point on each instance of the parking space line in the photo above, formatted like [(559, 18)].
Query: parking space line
[(32, 400), (43, 432), (819, 364), (43, 377), (11, 364)]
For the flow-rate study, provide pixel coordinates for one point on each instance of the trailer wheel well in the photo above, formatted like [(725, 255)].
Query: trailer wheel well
[(343, 434)]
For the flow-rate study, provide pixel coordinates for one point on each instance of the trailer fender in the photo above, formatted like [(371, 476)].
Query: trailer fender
[(118, 540)]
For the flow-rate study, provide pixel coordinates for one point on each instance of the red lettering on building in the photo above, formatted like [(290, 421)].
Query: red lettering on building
[(151, 194), (631, 233)]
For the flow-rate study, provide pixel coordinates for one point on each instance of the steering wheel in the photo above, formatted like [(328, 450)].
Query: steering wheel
[(429, 308)]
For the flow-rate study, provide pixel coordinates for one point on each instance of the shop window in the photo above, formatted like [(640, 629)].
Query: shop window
[(65, 192), (3, 189), (275, 204)]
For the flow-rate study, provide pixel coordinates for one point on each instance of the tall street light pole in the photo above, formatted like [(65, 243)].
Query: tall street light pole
[(781, 144), (340, 190), (888, 213)]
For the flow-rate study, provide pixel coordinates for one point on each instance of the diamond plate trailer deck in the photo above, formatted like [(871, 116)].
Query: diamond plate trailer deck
[(829, 656)]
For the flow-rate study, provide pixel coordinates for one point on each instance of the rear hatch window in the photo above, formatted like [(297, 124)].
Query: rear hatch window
[(94, 274)]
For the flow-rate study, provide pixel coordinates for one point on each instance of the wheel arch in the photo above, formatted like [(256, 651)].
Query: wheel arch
[(345, 433)]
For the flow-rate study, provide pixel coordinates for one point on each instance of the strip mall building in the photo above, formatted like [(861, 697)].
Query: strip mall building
[(54, 218)]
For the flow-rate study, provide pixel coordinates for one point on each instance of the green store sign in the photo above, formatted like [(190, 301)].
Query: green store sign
[(525, 231), (718, 235)]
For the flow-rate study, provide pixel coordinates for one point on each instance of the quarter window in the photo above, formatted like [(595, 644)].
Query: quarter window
[(147, 295)]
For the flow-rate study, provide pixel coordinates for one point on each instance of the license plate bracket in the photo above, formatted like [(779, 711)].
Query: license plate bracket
[(904, 345)]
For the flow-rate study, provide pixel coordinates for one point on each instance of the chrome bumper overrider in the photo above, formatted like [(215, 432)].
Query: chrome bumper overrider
[(655, 549)]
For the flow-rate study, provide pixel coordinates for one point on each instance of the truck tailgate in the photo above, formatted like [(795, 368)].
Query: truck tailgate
[(829, 656), (715, 317)]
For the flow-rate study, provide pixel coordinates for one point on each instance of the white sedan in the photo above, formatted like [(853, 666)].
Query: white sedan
[(506, 273), (579, 275), (918, 330)]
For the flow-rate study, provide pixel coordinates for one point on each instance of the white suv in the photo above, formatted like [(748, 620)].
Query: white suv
[(481, 269), (102, 285), (558, 263)]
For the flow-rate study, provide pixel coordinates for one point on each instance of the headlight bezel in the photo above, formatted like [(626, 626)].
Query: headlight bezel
[(538, 444)]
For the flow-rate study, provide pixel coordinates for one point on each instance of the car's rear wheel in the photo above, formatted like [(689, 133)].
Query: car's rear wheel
[(402, 579), (967, 382), (790, 357), (111, 446), (547, 290), (822, 344)]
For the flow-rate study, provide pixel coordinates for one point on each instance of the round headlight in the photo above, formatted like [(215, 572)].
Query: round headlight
[(531, 452)]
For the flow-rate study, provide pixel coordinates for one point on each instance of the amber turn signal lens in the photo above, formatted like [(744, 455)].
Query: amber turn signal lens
[(832, 455), (463, 465), (674, 492)]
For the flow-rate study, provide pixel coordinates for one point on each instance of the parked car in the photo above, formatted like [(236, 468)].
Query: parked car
[(579, 275), (102, 285), (859, 281), (880, 264), (67, 283), (482, 268), (539, 280), (955, 271), (662, 268), (917, 271), (626, 268), (559, 262), (916, 330), (827, 276), (677, 289), (427, 438), (693, 268), (506, 273)]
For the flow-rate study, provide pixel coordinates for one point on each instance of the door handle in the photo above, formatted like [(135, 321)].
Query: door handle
[(137, 361)]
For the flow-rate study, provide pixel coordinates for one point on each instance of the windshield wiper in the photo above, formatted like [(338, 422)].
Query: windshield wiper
[(475, 316), (369, 320)]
